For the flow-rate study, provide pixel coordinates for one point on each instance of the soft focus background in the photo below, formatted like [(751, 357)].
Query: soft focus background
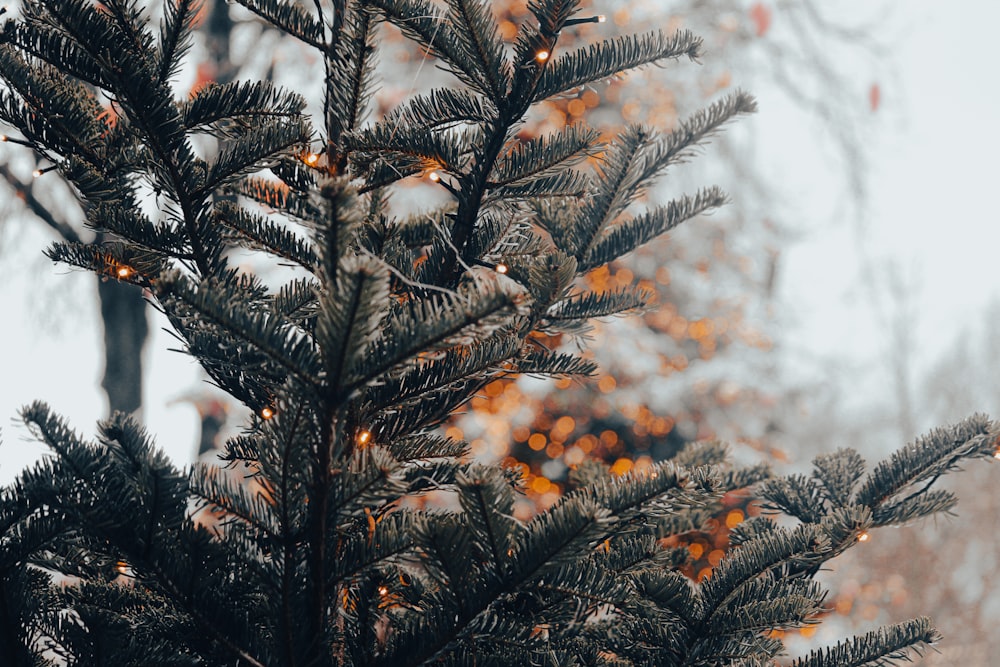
[(846, 297)]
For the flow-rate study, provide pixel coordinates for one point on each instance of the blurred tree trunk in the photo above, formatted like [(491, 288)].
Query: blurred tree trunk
[(123, 313)]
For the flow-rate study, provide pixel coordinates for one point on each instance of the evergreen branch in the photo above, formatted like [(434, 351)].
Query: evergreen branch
[(914, 507), (439, 109), (421, 21), (179, 18), (258, 148), (290, 18), (560, 185), (762, 605), (391, 539), (552, 14), (613, 189), (427, 411), (481, 43), (838, 473), (448, 547), (296, 300), (347, 325), (618, 240), (83, 459), (487, 501), (544, 362), (208, 484), (879, 648), (219, 304), (423, 326), (57, 113), (544, 155), (612, 57), (259, 233), (680, 144), (927, 458), (226, 108), (434, 149), (439, 375), (756, 557), (370, 480), (562, 535), (349, 81), (277, 197), (427, 446), (55, 48), (589, 305), (795, 495), (132, 225)]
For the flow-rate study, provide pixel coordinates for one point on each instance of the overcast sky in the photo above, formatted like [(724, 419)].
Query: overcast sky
[(931, 212)]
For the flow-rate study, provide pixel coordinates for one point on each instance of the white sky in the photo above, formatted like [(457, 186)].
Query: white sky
[(934, 170)]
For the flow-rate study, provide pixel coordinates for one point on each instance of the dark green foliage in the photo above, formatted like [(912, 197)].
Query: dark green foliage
[(315, 550)]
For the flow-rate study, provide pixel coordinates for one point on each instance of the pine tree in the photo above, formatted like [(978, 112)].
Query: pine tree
[(326, 555)]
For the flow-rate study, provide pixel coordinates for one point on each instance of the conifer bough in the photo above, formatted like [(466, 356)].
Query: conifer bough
[(319, 551)]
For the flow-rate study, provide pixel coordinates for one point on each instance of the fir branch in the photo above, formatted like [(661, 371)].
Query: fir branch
[(218, 303), (349, 80), (179, 19), (609, 58), (275, 196), (879, 648), (557, 364), (54, 112), (540, 156), (422, 22), (348, 319), (579, 308), (259, 233), (927, 458), (478, 35), (439, 109), (838, 473), (252, 151), (290, 18), (488, 503), (618, 240), (225, 108), (424, 326)]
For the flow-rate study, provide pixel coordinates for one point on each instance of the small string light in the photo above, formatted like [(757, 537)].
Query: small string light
[(542, 56), (383, 591), (600, 18), (311, 159), (864, 537), (435, 177), (266, 413), (11, 140), (364, 437), (502, 268), (40, 172), (124, 272)]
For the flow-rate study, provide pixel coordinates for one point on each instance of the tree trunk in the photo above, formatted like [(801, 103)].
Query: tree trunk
[(123, 312)]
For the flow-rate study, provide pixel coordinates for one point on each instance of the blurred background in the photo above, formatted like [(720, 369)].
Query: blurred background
[(847, 297)]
